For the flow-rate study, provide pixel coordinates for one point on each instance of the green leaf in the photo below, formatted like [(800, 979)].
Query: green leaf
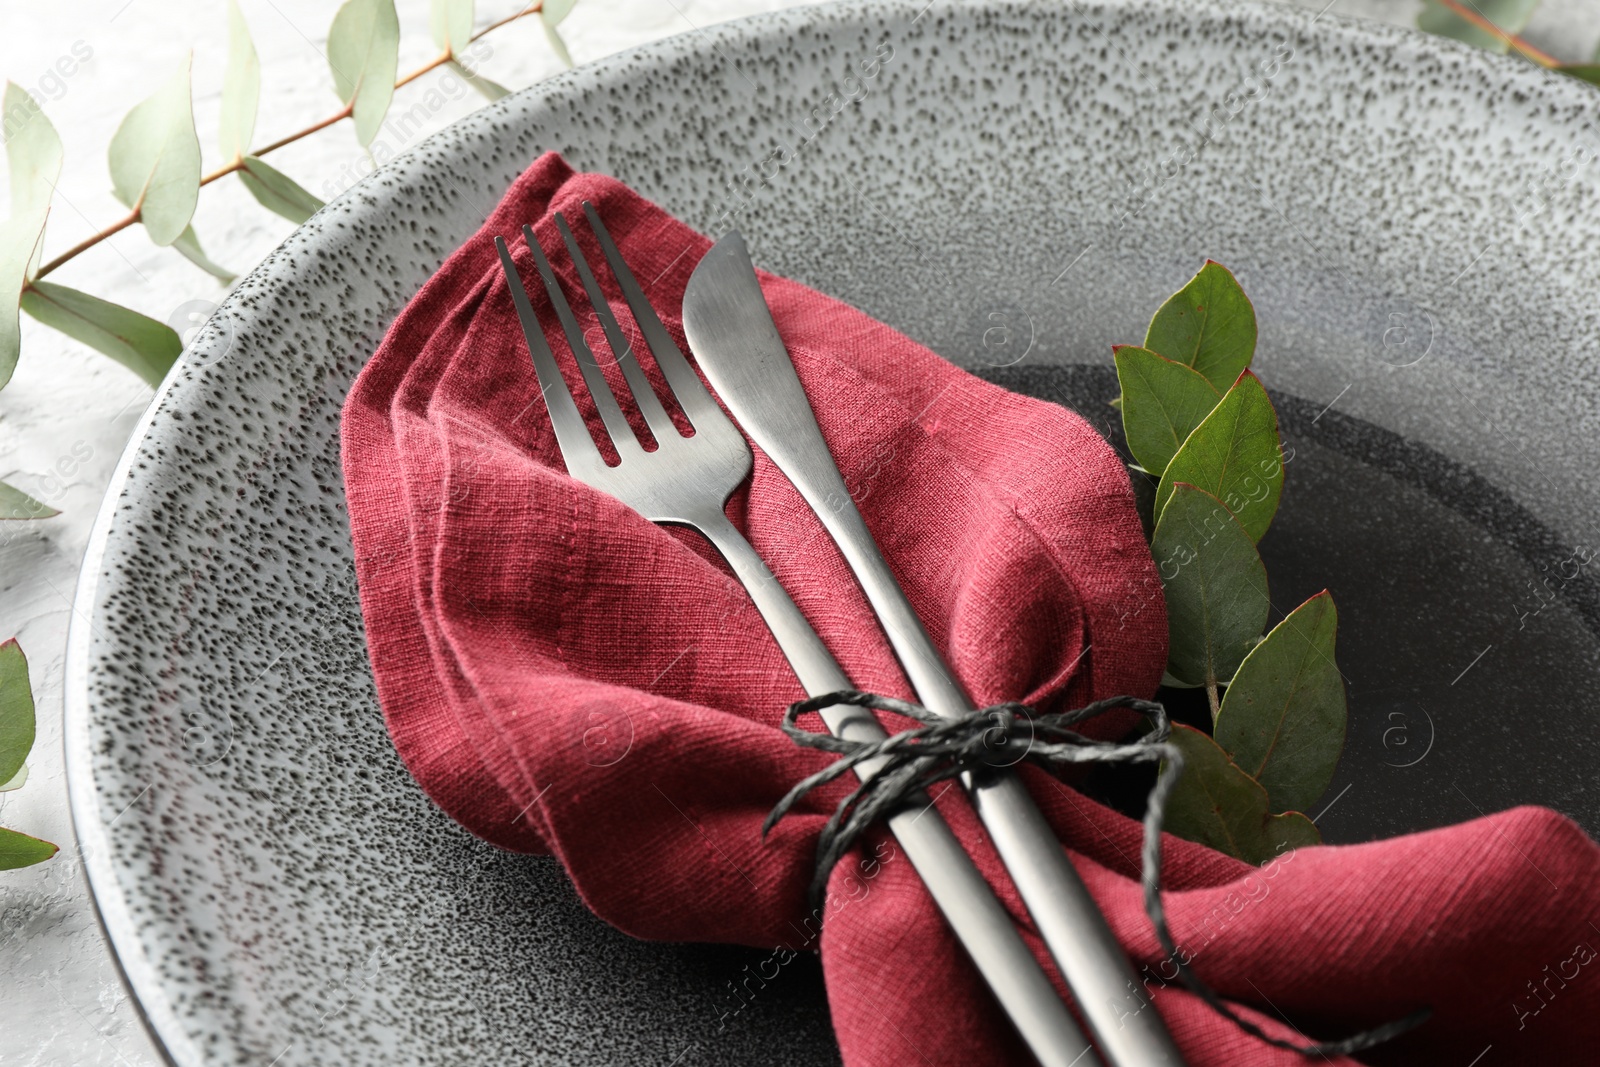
[(1283, 718), (19, 244), (1235, 456), (143, 345), (558, 45), (33, 155), (1215, 587), (364, 52), (16, 710), (1217, 804), (17, 781), (493, 90), (241, 89), (554, 11), (15, 504), (450, 22), (550, 16), (277, 191), (1208, 325), (1162, 402), (155, 160), (1588, 72), (188, 243), (1510, 15), (20, 850)]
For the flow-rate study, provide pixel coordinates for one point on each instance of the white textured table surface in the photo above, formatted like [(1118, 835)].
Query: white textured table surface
[(67, 414)]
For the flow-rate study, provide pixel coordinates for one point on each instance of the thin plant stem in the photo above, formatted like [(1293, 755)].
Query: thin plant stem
[(1523, 48), (238, 164), (339, 116)]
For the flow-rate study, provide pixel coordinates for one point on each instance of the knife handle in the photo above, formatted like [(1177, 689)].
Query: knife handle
[(969, 905)]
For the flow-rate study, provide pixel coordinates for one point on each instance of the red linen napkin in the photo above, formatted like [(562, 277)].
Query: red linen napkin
[(563, 676)]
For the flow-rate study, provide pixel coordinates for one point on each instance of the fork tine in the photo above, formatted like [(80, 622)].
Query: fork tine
[(655, 416), (572, 435), (681, 378), (622, 436)]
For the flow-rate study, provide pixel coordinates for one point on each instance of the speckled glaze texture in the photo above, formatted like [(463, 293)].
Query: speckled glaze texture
[(1010, 183)]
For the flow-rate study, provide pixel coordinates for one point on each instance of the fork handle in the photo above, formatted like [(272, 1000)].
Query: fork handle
[(969, 905)]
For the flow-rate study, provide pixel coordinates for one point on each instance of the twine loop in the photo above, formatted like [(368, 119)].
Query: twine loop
[(983, 742)]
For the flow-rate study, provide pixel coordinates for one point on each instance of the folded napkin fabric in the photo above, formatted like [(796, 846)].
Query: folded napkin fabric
[(562, 676)]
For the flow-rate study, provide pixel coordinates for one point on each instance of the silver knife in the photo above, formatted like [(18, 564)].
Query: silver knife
[(734, 339)]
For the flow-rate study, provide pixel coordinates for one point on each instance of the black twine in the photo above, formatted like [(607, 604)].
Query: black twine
[(988, 738)]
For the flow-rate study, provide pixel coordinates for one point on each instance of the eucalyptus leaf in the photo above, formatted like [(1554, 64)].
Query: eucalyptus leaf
[(1144, 484), (15, 504), (277, 191), (491, 90), (143, 345), (33, 158), (18, 780), (364, 53), (19, 243), (188, 243), (1209, 325), (554, 11), (155, 160), (558, 45), (1589, 72), (1215, 587), (1283, 718), (450, 22), (20, 850), (1512, 16), (241, 89), (1217, 804), (1235, 456), (1162, 402), (16, 710), (550, 16)]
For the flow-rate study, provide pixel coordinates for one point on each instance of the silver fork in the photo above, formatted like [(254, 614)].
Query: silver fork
[(687, 481)]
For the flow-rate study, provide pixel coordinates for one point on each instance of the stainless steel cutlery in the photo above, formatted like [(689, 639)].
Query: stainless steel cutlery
[(687, 481), (736, 343)]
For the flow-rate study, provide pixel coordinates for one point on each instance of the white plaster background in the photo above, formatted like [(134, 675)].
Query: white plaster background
[(66, 415)]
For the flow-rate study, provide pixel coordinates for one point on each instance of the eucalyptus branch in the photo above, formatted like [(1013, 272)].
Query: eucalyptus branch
[(1204, 438), (332, 120), (84, 245), (156, 172), (136, 214)]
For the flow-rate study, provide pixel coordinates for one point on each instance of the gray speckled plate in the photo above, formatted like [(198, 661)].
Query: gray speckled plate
[(1016, 185)]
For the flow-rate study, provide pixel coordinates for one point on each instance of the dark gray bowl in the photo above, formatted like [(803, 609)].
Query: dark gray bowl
[(1413, 220)]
